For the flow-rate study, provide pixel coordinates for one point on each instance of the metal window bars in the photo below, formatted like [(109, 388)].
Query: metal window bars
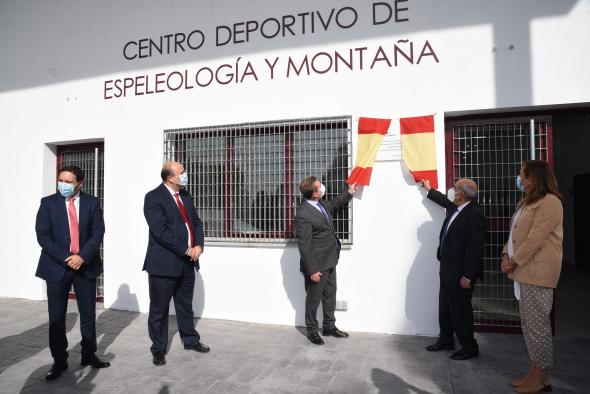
[(491, 152), (90, 158), (245, 177)]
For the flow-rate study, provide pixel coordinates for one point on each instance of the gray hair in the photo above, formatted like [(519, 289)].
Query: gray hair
[(469, 191)]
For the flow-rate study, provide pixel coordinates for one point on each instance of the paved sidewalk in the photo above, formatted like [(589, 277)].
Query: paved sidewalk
[(258, 358)]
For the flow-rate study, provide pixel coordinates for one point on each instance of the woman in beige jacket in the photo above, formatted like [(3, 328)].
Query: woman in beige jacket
[(532, 258)]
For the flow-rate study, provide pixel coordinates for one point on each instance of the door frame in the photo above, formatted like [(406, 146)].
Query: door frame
[(58, 165), (517, 117)]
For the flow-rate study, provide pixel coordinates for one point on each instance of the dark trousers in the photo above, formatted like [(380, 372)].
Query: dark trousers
[(57, 305), (455, 316), (162, 289), (325, 292)]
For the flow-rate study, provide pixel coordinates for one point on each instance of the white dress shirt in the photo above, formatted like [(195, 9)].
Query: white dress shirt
[(185, 224), (315, 204), (459, 209), (511, 249)]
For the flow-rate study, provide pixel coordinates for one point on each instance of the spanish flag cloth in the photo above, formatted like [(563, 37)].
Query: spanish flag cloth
[(418, 148), (370, 134)]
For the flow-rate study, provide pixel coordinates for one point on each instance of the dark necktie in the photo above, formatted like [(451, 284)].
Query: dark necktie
[(324, 212), (329, 222), (447, 225)]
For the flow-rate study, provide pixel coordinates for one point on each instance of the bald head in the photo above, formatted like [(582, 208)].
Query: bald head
[(170, 171), (468, 187)]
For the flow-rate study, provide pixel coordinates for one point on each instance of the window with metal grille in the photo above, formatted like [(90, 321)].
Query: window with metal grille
[(245, 177), (490, 151)]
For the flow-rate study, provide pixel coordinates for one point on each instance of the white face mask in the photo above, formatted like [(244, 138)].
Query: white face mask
[(451, 194), (183, 179), (322, 190)]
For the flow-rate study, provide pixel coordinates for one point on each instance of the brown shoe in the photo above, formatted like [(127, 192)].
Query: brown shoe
[(535, 382), (520, 381)]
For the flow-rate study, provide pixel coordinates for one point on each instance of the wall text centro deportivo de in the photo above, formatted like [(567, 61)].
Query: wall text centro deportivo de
[(400, 52)]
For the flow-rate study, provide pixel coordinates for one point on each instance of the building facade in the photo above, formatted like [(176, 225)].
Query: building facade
[(254, 96)]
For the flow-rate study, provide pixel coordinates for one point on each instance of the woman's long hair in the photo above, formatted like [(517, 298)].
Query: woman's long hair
[(542, 181)]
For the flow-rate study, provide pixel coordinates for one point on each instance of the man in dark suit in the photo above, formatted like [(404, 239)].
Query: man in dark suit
[(70, 228), (319, 248), (176, 241), (460, 252)]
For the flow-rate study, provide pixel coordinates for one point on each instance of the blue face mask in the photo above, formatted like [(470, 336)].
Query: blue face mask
[(66, 189), (519, 184), (183, 179)]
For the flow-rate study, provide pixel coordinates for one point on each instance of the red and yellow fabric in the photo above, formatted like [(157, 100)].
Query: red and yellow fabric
[(419, 148), (370, 134)]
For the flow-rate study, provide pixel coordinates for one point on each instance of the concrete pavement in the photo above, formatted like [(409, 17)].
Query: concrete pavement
[(258, 358)]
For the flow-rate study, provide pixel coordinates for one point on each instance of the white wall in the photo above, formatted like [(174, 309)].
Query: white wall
[(56, 57)]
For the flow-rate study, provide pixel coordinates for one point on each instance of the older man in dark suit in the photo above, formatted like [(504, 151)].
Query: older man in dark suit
[(319, 248), (70, 229), (460, 252), (176, 241)]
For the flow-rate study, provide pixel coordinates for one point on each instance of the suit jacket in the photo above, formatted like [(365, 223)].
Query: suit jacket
[(461, 252), (318, 244), (168, 236), (53, 234), (537, 243)]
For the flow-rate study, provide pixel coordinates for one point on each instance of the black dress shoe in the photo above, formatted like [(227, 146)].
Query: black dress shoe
[(159, 358), (56, 370), (335, 332), (465, 354), (315, 338), (199, 347), (95, 362), (437, 347)]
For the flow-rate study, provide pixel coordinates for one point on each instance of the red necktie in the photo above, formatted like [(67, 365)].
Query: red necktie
[(185, 217), (74, 234)]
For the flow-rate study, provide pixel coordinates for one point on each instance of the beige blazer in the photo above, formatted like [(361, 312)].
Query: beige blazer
[(537, 238)]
